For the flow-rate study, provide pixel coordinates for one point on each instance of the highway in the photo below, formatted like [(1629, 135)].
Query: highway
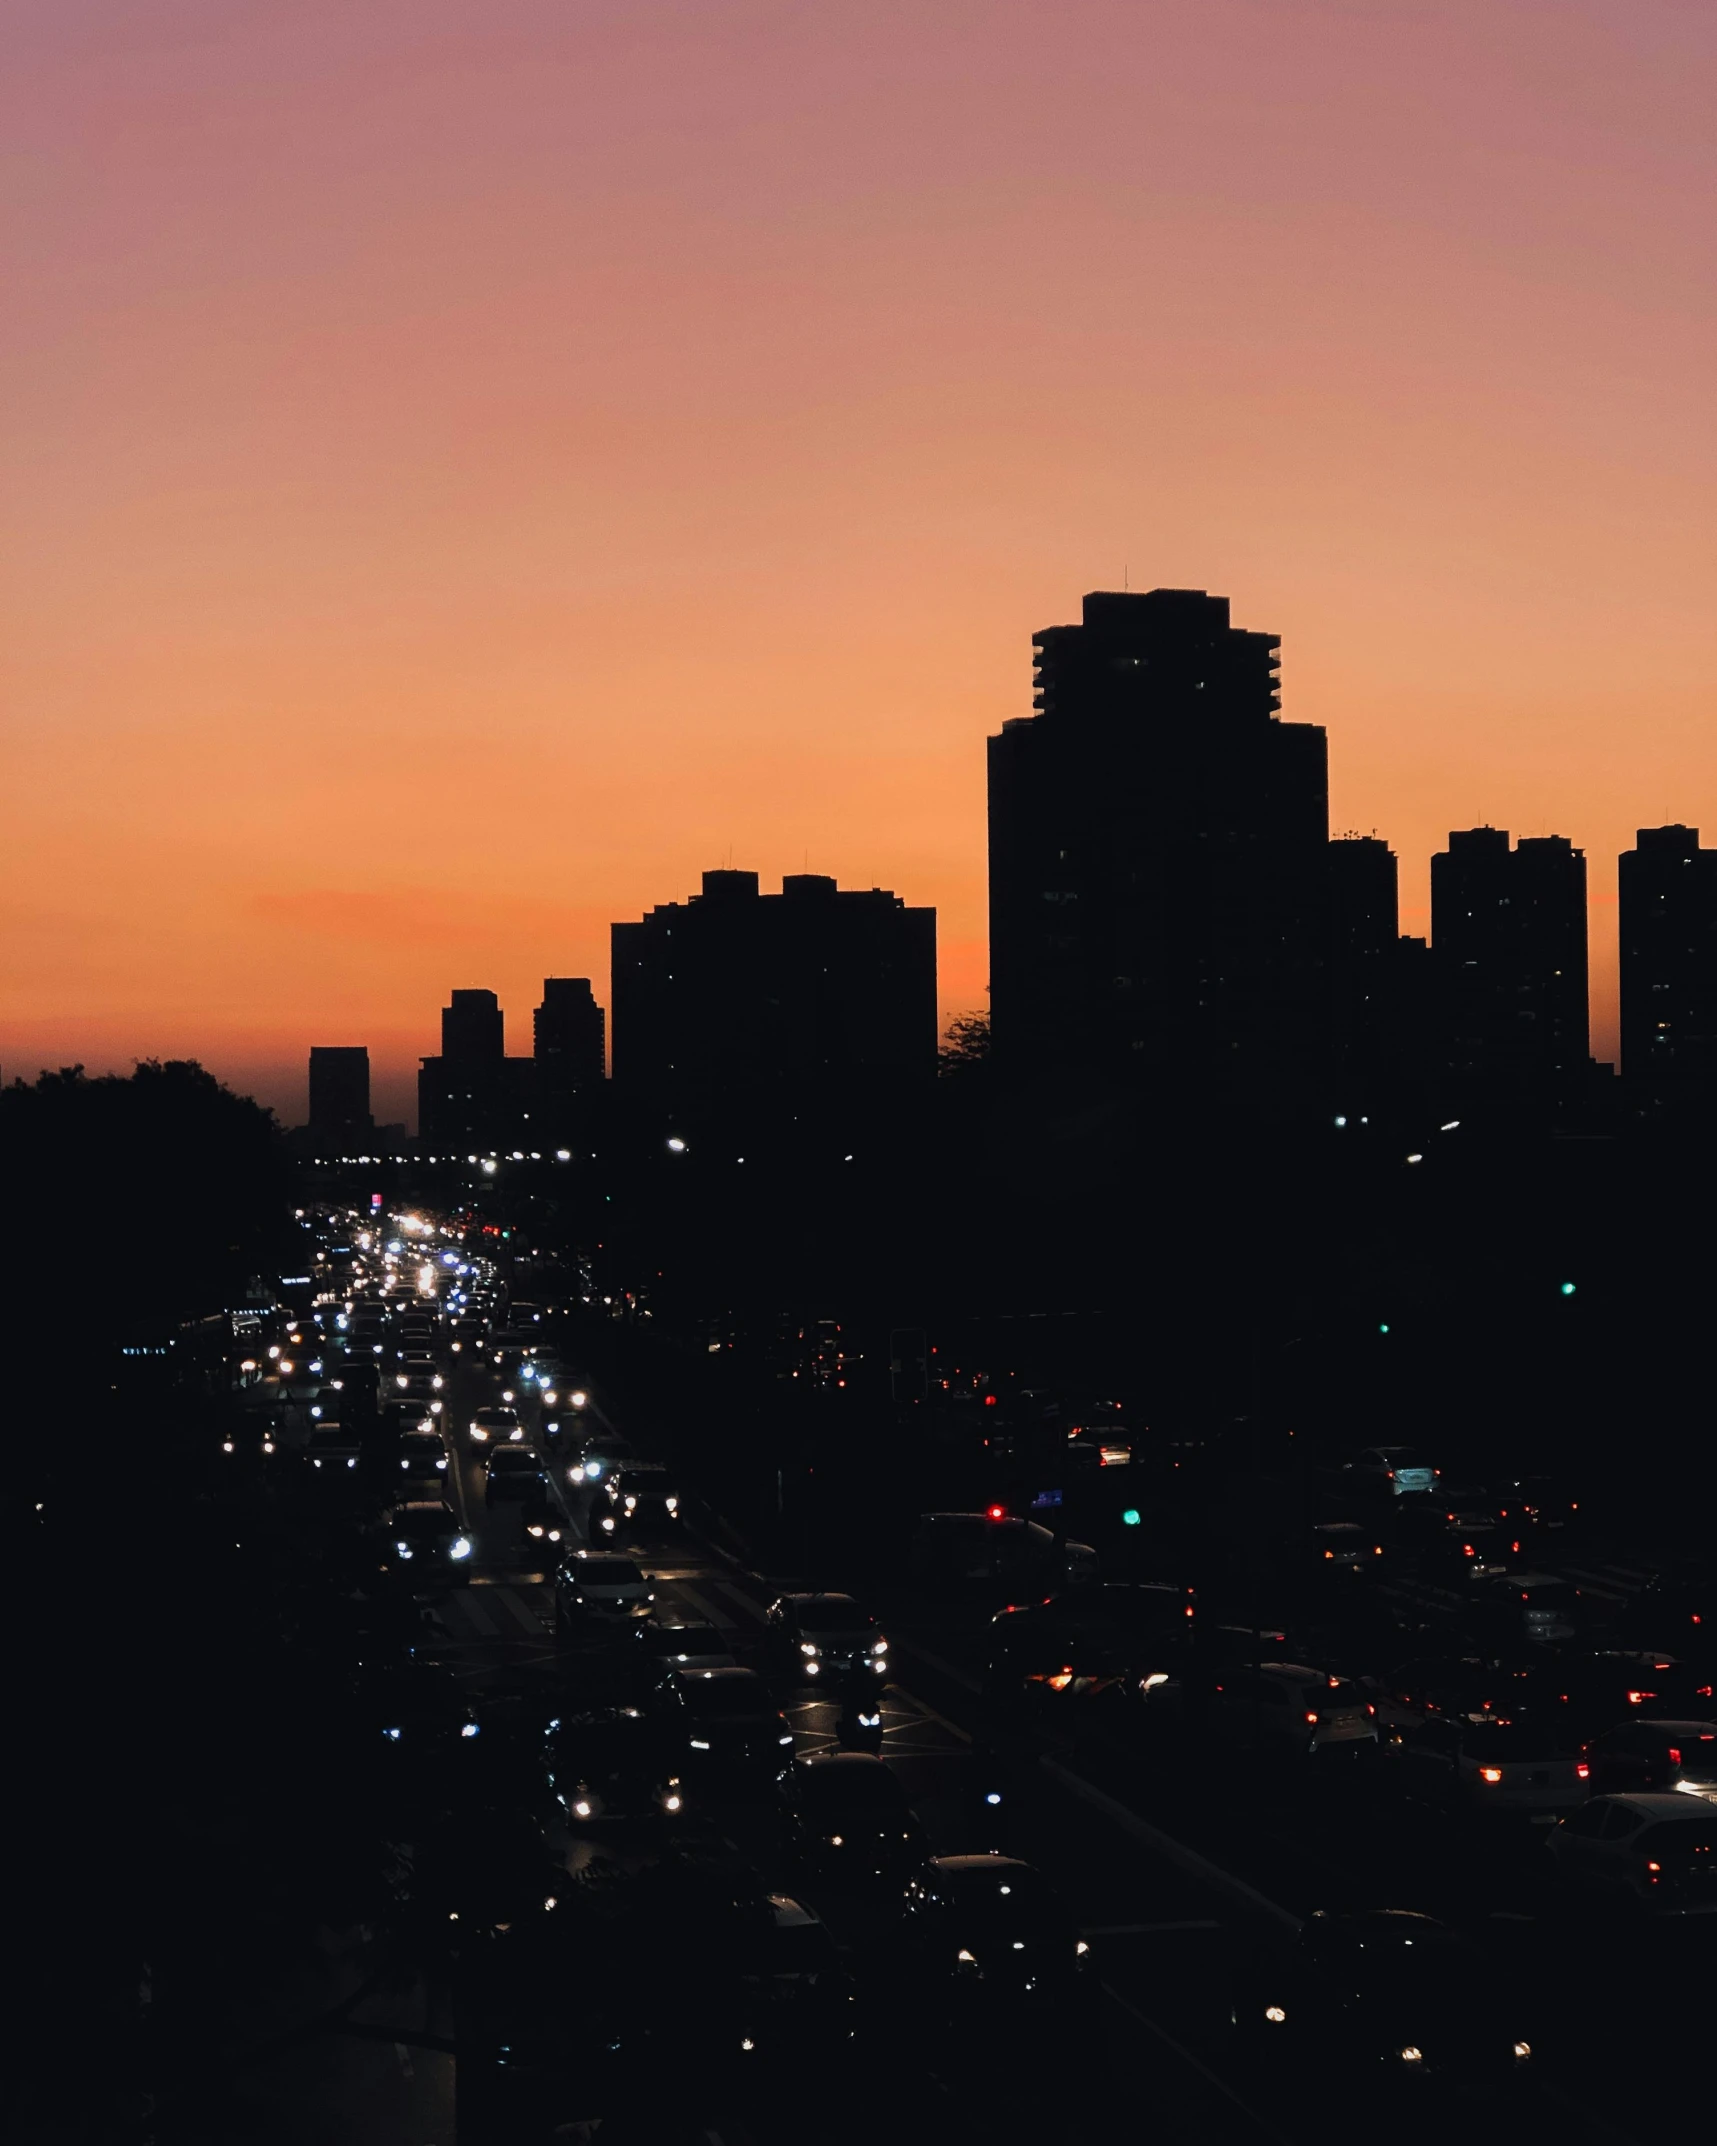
[(1178, 1877)]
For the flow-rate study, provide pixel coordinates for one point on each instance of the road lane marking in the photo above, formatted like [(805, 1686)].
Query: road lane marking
[(1171, 1850), (478, 1616), (1186, 2056)]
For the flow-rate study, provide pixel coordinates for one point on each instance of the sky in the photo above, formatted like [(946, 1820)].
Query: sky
[(466, 466)]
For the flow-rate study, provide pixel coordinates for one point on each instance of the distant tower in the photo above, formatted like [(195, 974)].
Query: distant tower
[(339, 1096), (1668, 888), (1158, 864), (1364, 951), (569, 1037), (472, 1027)]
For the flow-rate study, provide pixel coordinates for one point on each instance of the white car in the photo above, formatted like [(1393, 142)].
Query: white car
[(1487, 1762), (1399, 1470), (1286, 1709), (599, 1585), (1655, 1852), (497, 1426)]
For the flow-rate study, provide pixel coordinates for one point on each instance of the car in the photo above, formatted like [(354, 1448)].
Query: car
[(1344, 1543), (544, 1524), (988, 1931), (417, 1363), (1654, 1756), (639, 1495), (999, 1548), (251, 1436), (1398, 1471), (795, 1999), (511, 1472), (850, 1823), (422, 1458), (826, 1639), (332, 1448), (1609, 1684), (1289, 1710), (414, 1707), (610, 1762), (563, 1414), (1539, 1607), (1495, 1764), (418, 1388), (425, 1545), (1387, 1998), (687, 1646), (1455, 1553), (459, 1895), (596, 1587), (599, 1457), (497, 1426), (1653, 1852), (725, 1721)]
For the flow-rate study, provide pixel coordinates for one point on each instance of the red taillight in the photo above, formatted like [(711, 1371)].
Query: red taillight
[(1583, 1771), (1467, 1550), (1674, 1756), (1492, 1774), (1312, 1718), (998, 1512), (1636, 1697)]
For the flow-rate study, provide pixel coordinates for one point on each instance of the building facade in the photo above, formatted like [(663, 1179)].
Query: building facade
[(1668, 892), (1159, 876)]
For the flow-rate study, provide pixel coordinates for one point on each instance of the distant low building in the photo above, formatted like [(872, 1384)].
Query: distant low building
[(814, 993)]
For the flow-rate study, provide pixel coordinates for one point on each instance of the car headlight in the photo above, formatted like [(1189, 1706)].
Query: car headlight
[(1522, 2051), (535, 1528), (460, 1546), (608, 1523), (631, 1505), (403, 1549), (784, 1739), (438, 1382), (807, 1646), (226, 1445), (593, 1470), (469, 1728), (1411, 2054), (554, 1534), (578, 1399), (581, 1809), (881, 1647), (673, 1504), (392, 1735), (548, 1397), (698, 1744), (670, 1803), (441, 1465), (268, 1445), (479, 1434)]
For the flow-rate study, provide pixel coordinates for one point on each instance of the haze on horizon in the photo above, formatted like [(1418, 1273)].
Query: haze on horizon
[(467, 469)]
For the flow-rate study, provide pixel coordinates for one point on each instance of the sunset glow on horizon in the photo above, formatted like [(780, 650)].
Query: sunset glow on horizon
[(471, 468)]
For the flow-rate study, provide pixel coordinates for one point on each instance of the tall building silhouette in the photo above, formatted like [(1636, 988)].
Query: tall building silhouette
[(1508, 928), (813, 993), (473, 1028), (339, 1096), (1364, 964), (1668, 891), (1158, 863), (569, 1038), (466, 1097)]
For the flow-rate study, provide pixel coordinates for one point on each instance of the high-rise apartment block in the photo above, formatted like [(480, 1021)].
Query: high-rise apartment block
[(339, 1097), (570, 1043), (814, 992), (1668, 890), (1158, 863), (1508, 928)]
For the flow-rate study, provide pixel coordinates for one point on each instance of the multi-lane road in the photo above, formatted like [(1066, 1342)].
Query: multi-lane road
[(1176, 1878)]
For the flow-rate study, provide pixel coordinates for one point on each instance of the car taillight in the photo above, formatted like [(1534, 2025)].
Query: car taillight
[(1674, 1755), (1312, 1718), (1492, 1774), (1583, 1772), (1635, 1698)]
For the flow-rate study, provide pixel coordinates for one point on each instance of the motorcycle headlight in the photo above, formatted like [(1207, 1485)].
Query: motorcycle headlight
[(460, 1546)]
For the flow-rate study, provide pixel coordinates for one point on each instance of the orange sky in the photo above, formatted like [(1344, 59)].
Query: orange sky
[(470, 464)]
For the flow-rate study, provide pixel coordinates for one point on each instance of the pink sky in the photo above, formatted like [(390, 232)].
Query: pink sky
[(468, 467)]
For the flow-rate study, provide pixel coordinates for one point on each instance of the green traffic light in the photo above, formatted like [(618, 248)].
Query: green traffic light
[(1130, 1518), (1567, 1289)]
